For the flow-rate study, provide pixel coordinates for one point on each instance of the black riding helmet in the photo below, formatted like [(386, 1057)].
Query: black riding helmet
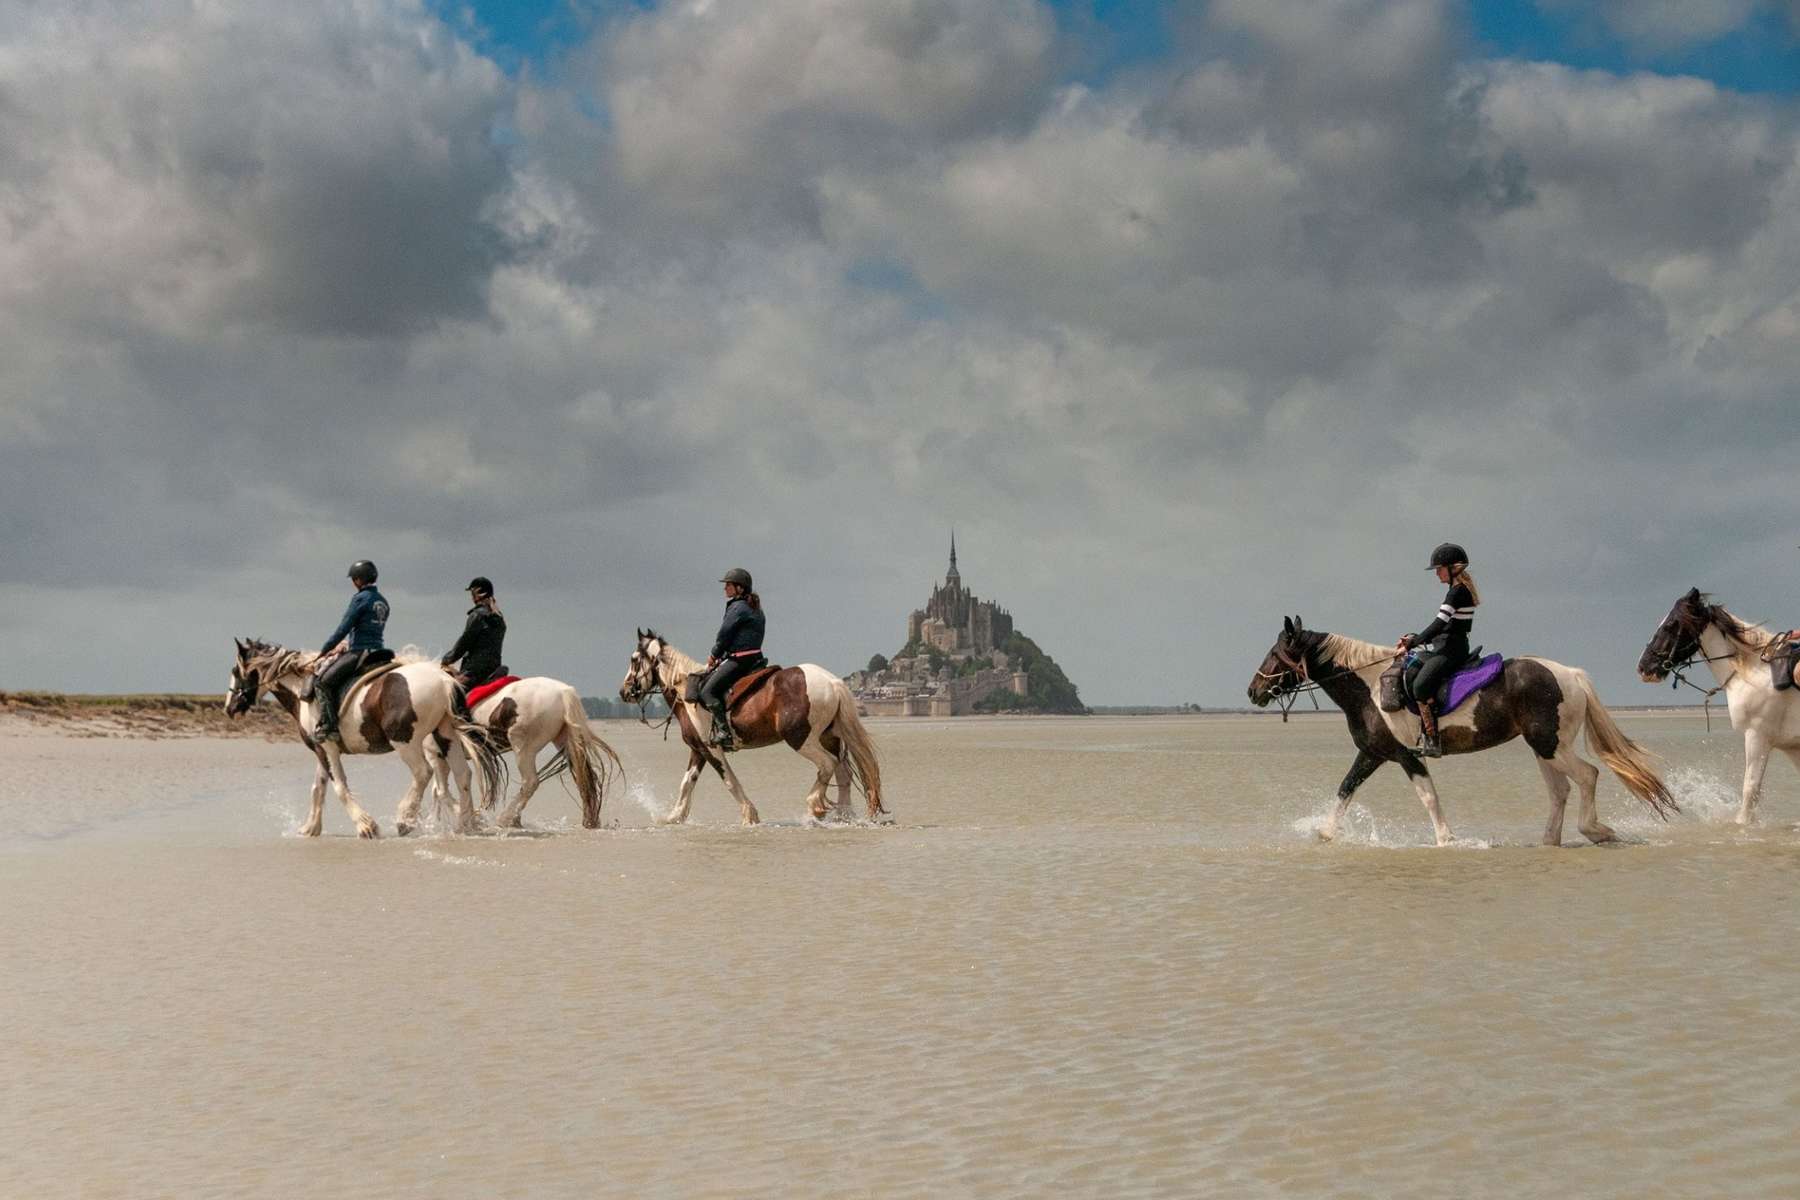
[(363, 571), (738, 576), (482, 585), (1448, 555)]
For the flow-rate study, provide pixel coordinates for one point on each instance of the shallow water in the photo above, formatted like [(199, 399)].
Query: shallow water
[(1095, 957)]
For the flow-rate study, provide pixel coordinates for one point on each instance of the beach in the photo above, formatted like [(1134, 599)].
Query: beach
[(1098, 957)]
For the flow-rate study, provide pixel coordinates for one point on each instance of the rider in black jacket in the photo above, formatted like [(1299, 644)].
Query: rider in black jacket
[(479, 646), (736, 651), (1444, 642)]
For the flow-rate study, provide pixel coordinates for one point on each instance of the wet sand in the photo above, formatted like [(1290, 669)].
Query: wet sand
[(1098, 957)]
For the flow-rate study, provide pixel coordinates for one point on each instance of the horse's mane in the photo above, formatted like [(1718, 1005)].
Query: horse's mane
[(1354, 655), (1745, 633), (280, 660), (677, 660)]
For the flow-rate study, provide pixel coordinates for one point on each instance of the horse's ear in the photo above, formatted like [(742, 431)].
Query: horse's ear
[(1299, 625), (1693, 595), (640, 633), (1287, 624)]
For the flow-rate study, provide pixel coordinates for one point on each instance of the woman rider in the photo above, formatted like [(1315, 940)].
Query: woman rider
[(364, 620), (479, 646), (736, 652), (1449, 630)]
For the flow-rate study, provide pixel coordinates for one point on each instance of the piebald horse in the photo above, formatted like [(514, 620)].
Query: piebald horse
[(806, 706), (1544, 702), (405, 710), (1696, 628), (531, 713)]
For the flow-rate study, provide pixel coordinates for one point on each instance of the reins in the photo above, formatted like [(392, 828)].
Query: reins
[(1286, 697), (1677, 677)]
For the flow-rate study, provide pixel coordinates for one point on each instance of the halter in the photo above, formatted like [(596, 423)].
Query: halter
[(1286, 697), (1677, 670)]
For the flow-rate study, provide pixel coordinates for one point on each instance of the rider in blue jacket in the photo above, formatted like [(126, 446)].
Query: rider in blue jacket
[(364, 622), (736, 651)]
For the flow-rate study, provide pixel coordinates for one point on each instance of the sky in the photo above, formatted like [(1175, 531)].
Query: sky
[(1184, 316)]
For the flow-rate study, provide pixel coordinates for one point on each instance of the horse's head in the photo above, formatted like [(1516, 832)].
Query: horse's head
[(246, 680), (1284, 668), (641, 679), (1677, 639)]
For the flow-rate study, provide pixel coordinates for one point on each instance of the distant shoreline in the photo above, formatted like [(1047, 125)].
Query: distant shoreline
[(147, 715)]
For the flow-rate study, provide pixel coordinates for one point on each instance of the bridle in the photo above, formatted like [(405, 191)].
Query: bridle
[(1286, 695), (1677, 669), (645, 691)]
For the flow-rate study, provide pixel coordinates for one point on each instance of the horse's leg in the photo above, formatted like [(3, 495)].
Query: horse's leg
[(828, 765), (746, 810), (1558, 783), (407, 816), (683, 798), (458, 766), (316, 821), (1360, 770), (365, 824), (1756, 761), (1427, 791), (435, 754), (526, 752), (834, 746), (1587, 778)]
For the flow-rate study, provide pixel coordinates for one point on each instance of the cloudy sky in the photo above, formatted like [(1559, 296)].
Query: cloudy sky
[(1185, 316)]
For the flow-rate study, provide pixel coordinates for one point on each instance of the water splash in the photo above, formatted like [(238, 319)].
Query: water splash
[(640, 792), (1361, 827), (1704, 795)]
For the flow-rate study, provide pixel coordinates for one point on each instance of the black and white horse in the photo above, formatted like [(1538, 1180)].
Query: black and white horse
[(1735, 651), (1544, 702)]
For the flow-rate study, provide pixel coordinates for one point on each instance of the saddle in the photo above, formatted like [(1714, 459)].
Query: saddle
[(1475, 673), (476, 695), (1780, 656), (381, 662), (740, 691)]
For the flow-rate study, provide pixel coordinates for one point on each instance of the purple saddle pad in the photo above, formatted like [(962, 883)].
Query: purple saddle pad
[(1468, 681)]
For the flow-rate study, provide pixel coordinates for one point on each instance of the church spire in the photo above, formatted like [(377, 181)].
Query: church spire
[(954, 576)]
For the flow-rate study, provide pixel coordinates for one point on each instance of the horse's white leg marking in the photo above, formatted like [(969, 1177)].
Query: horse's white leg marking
[(685, 796), (316, 821), (1756, 760), (843, 785), (746, 810), (1558, 783), (526, 753), (1587, 778), (828, 765), (460, 768), (440, 776), (413, 755), (1428, 796), (365, 824)]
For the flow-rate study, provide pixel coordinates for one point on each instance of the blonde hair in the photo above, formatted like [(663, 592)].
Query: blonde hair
[(1463, 577)]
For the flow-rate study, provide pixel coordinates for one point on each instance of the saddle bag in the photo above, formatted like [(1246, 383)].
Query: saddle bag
[(1781, 668), (1393, 688), (690, 691)]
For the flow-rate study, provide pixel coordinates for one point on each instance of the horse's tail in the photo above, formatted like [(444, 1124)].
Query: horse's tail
[(1628, 760), (859, 748), (489, 759), (588, 758)]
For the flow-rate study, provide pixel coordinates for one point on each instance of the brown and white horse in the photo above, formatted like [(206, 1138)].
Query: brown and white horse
[(406, 710), (529, 714), (806, 706), (1544, 702), (1737, 653)]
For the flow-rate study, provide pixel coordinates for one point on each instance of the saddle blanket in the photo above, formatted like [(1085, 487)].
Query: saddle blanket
[(487, 689), (1467, 682)]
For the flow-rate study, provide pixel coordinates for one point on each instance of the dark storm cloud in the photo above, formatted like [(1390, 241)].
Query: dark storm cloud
[(800, 284)]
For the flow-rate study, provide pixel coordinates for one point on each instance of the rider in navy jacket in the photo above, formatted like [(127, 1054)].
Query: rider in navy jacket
[(365, 621), (736, 651)]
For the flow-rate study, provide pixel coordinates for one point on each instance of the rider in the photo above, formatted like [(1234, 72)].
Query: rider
[(364, 620), (736, 652), (479, 645), (1444, 642)]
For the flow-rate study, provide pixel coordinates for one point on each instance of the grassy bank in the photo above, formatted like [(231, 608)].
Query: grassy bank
[(146, 715)]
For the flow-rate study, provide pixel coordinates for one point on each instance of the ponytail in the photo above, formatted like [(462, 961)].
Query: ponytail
[(754, 600), (1467, 580)]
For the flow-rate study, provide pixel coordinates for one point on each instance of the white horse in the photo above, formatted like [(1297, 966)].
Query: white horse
[(1544, 702), (405, 708), (1735, 651), (529, 714), (806, 706)]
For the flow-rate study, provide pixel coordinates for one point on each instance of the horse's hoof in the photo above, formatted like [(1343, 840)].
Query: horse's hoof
[(371, 830), (1600, 836), (401, 829)]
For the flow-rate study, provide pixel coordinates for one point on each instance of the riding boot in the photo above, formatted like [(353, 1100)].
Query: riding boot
[(721, 730), (459, 700), (1428, 732), (326, 730)]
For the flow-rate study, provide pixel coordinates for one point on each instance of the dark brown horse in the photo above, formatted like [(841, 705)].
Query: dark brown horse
[(806, 707), (1546, 703)]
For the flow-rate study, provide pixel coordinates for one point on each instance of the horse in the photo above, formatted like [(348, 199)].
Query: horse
[(405, 708), (1544, 702), (528, 714), (1698, 629), (806, 706)]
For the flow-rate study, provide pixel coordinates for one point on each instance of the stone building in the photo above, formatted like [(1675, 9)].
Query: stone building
[(962, 635)]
